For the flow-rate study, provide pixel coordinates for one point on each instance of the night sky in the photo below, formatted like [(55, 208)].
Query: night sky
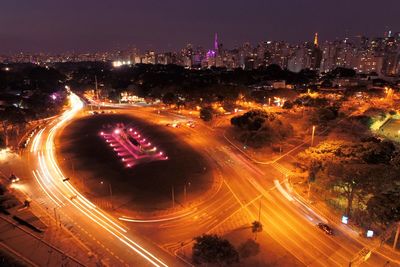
[(164, 25)]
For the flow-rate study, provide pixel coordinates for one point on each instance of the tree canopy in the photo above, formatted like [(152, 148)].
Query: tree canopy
[(259, 128), (385, 207), (214, 249), (366, 171)]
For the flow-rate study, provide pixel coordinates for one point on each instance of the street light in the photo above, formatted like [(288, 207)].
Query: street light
[(111, 195), (185, 186), (72, 164), (312, 135)]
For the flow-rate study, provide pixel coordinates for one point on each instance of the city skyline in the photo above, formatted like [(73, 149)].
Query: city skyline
[(200, 133), (87, 27)]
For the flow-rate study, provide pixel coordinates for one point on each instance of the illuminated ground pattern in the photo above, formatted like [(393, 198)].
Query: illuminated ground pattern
[(131, 146)]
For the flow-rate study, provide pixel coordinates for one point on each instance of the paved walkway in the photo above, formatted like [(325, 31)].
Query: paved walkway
[(31, 248)]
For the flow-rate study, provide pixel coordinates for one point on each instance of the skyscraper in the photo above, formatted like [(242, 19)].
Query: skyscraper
[(216, 42), (316, 39)]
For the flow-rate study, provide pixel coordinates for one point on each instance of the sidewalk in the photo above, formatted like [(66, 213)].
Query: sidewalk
[(335, 217), (31, 248), (56, 244)]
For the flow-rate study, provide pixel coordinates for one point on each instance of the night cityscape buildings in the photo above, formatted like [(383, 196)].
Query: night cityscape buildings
[(208, 133), (380, 55)]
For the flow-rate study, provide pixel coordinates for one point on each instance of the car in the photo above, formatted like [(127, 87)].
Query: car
[(174, 125), (326, 228), (13, 178), (24, 144), (190, 124)]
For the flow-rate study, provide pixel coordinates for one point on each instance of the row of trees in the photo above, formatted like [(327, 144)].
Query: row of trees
[(22, 77), (364, 173), (155, 81), (28, 92)]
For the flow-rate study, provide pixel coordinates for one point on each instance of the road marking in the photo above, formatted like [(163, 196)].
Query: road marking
[(238, 200)]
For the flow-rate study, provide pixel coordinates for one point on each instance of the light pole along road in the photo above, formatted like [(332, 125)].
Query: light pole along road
[(119, 245), (244, 184), (289, 223)]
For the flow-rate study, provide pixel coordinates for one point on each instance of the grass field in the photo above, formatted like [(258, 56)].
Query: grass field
[(88, 160)]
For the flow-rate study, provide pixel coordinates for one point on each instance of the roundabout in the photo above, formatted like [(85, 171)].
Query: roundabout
[(148, 168)]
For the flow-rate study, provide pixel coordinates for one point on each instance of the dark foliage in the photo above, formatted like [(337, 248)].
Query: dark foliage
[(249, 248), (385, 207), (206, 113), (259, 128), (213, 249)]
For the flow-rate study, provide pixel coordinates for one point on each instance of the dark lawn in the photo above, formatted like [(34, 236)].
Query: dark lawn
[(145, 186)]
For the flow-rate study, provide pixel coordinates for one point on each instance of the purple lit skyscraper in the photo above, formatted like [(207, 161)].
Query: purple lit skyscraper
[(216, 42), (212, 53)]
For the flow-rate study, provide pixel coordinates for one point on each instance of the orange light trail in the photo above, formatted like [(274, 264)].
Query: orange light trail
[(52, 181)]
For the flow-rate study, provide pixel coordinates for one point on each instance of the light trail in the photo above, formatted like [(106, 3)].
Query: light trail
[(43, 188), (157, 220), (310, 214), (52, 181), (36, 141), (282, 190)]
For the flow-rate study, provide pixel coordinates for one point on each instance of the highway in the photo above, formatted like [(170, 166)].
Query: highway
[(245, 184), (116, 243), (242, 188)]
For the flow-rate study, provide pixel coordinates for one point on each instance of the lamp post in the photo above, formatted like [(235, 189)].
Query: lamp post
[(72, 165), (312, 135), (185, 187), (396, 238), (173, 197), (111, 194)]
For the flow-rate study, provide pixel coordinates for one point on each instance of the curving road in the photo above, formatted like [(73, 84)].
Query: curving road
[(112, 242), (290, 223), (243, 187)]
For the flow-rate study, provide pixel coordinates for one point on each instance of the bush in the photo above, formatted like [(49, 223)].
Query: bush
[(259, 128), (214, 249), (249, 248), (206, 113), (288, 105), (324, 115)]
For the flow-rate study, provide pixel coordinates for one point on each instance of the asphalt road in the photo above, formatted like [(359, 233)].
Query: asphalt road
[(243, 184)]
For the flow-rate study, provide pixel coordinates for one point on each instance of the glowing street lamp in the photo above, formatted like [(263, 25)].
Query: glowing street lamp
[(312, 135)]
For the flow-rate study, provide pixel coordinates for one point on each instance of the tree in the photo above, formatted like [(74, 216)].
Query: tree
[(256, 227), (252, 120), (10, 117), (2, 144), (349, 180), (169, 98), (258, 128), (385, 206), (366, 151), (206, 113), (249, 248), (342, 72), (214, 249), (324, 115), (288, 104)]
